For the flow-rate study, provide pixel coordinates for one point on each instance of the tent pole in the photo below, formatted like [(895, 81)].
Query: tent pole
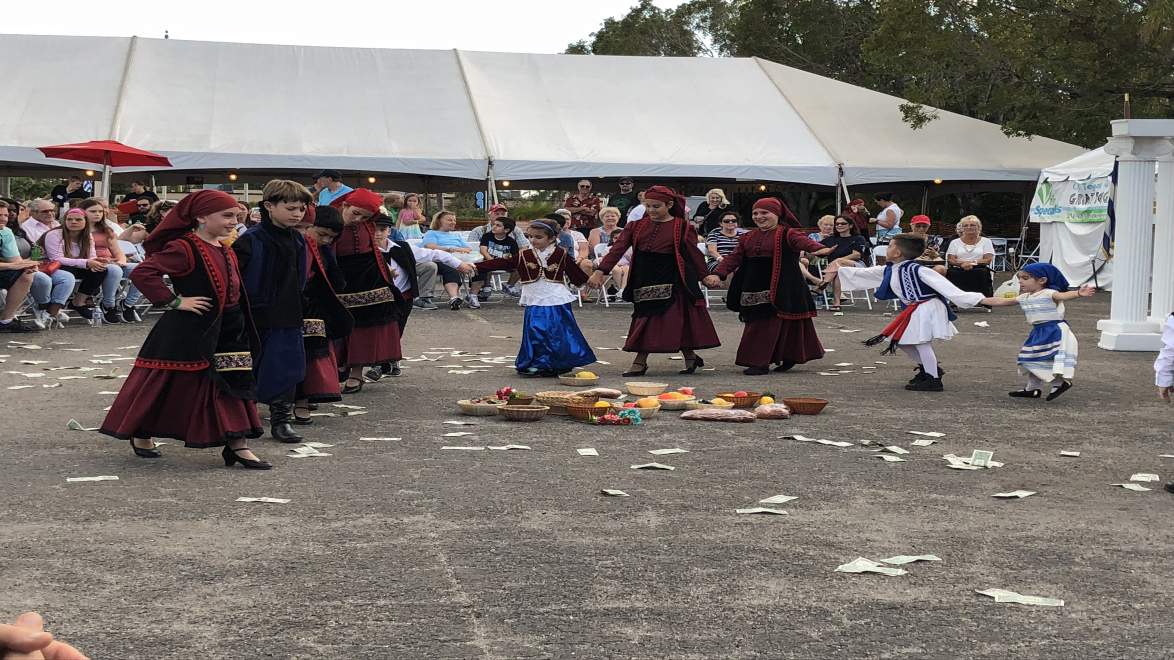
[(924, 199), (841, 187), (491, 185), (106, 187)]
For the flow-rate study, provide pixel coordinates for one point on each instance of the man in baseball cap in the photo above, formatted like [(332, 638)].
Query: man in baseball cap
[(329, 186), (933, 244)]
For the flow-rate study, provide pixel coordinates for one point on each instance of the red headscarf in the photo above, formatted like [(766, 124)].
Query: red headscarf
[(674, 199), (777, 207), (182, 218), (360, 197)]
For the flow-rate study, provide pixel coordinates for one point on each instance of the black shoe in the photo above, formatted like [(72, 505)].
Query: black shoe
[(1062, 388), (921, 375), (1170, 487), (634, 371), (528, 373), (152, 452), (130, 314), (927, 384), (301, 421), (352, 389), (311, 406), (111, 315), (395, 370), (86, 313), (784, 366), (280, 416), (385, 368), (692, 365), (231, 456), (1025, 394), (483, 295), (424, 303), (373, 374), (16, 326), (756, 371), (455, 304)]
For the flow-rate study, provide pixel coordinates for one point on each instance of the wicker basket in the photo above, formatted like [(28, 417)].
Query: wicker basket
[(478, 409), (677, 404), (557, 400), (806, 405), (646, 389), (585, 411), (645, 413), (750, 399), (521, 401), (574, 381), (523, 413), (697, 405)]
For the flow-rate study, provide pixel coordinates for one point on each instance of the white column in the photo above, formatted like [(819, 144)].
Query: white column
[(1138, 144), (1162, 300)]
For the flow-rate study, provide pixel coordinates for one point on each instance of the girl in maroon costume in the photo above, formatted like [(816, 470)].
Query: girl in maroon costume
[(769, 292), (193, 378), (669, 313)]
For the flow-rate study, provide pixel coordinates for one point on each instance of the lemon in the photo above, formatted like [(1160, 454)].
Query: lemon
[(585, 374), (602, 404), (766, 400), (718, 400), (648, 402)]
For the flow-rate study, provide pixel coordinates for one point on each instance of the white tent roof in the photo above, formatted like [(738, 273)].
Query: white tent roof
[(219, 106), (1092, 164)]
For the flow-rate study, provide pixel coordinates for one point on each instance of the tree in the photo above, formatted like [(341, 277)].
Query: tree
[(649, 30)]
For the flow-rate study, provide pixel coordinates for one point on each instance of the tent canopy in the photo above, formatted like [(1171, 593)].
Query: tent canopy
[(1097, 163), (454, 114)]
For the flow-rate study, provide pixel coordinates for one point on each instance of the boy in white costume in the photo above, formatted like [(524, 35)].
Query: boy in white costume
[(923, 293)]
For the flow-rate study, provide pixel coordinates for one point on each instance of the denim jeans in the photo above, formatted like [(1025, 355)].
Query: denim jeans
[(111, 282), (133, 295), (52, 289)]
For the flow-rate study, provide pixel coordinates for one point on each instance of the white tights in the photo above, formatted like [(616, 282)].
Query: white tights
[(922, 354), (1035, 383)]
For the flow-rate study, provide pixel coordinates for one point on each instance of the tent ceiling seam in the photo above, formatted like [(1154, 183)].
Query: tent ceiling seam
[(832, 154), (476, 114), (116, 118)]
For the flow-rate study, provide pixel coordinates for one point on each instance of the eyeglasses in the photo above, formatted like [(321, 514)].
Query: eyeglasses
[(842, 224), (143, 206), (584, 187), (729, 222), (43, 211)]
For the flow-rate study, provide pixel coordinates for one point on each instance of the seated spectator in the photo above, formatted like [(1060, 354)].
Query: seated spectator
[(42, 218), (619, 273), (857, 212), (609, 216), (709, 213), (968, 258), (571, 240), (723, 240), (105, 241), (51, 286), (888, 220), (72, 246), (139, 191), (410, 217), (16, 277), (849, 249), (156, 213), (442, 236), (496, 244), (827, 229), (637, 211), (920, 226)]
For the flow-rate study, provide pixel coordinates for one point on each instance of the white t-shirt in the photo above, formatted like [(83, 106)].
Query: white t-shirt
[(964, 252), (636, 213)]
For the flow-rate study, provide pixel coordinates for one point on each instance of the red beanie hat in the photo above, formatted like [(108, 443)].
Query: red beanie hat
[(770, 204)]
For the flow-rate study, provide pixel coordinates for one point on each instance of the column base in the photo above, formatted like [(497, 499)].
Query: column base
[(1129, 335)]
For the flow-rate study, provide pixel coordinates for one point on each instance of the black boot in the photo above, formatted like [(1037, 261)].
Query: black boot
[(280, 416)]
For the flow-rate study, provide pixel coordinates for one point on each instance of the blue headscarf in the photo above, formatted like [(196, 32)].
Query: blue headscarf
[(1056, 279)]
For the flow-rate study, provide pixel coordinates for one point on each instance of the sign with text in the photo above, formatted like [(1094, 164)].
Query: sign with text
[(1084, 201)]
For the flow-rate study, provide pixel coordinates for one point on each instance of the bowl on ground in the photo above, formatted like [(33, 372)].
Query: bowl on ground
[(805, 405)]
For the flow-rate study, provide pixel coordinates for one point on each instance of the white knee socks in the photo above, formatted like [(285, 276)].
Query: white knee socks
[(923, 354)]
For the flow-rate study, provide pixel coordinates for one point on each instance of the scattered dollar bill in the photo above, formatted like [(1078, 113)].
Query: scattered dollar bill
[(305, 450), (1071, 454), (464, 448), (665, 452), (778, 499), (317, 445), (864, 565), (71, 377), (923, 442), (457, 434), (459, 422), (107, 392), (611, 492), (1165, 455), (323, 414), (828, 373), (20, 387), (895, 449), (587, 451), (352, 413), (843, 364), (889, 458), (981, 458), (1005, 596), (1020, 494), (50, 386), (126, 348), (761, 509), (901, 560), (315, 454), (982, 324), (34, 362), (928, 434), (380, 439), (101, 478), (108, 355), (1143, 476), (267, 500), (833, 443), (848, 331), (347, 406), (1132, 486), (653, 466), (510, 447), (74, 425), (500, 337)]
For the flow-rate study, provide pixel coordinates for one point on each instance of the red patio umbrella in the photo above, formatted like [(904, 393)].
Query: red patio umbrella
[(108, 154)]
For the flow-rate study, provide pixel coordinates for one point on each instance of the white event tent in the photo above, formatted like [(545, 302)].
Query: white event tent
[(478, 116), (1073, 206)]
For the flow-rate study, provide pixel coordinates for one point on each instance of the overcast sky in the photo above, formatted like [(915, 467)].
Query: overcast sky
[(527, 26)]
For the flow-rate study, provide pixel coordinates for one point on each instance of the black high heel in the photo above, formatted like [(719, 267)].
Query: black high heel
[(693, 364), (633, 372), (230, 456), (142, 452)]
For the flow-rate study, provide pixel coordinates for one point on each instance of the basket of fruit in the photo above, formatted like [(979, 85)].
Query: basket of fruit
[(481, 406), (648, 406), (741, 398), (578, 378), (716, 402), (557, 400), (520, 413), (805, 405), (588, 410), (626, 417), (514, 397), (676, 400), (646, 389)]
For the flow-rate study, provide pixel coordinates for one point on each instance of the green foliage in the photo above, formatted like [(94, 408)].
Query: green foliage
[(24, 188), (1054, 68)]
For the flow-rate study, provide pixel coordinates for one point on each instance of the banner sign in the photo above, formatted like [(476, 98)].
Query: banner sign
[(1084, 201)]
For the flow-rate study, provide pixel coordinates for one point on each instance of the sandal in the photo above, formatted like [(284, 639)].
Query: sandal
[(1025, 394), (302, 420), (347, 388)]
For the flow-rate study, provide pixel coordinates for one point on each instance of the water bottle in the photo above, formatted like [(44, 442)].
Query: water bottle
[(36, 253)]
